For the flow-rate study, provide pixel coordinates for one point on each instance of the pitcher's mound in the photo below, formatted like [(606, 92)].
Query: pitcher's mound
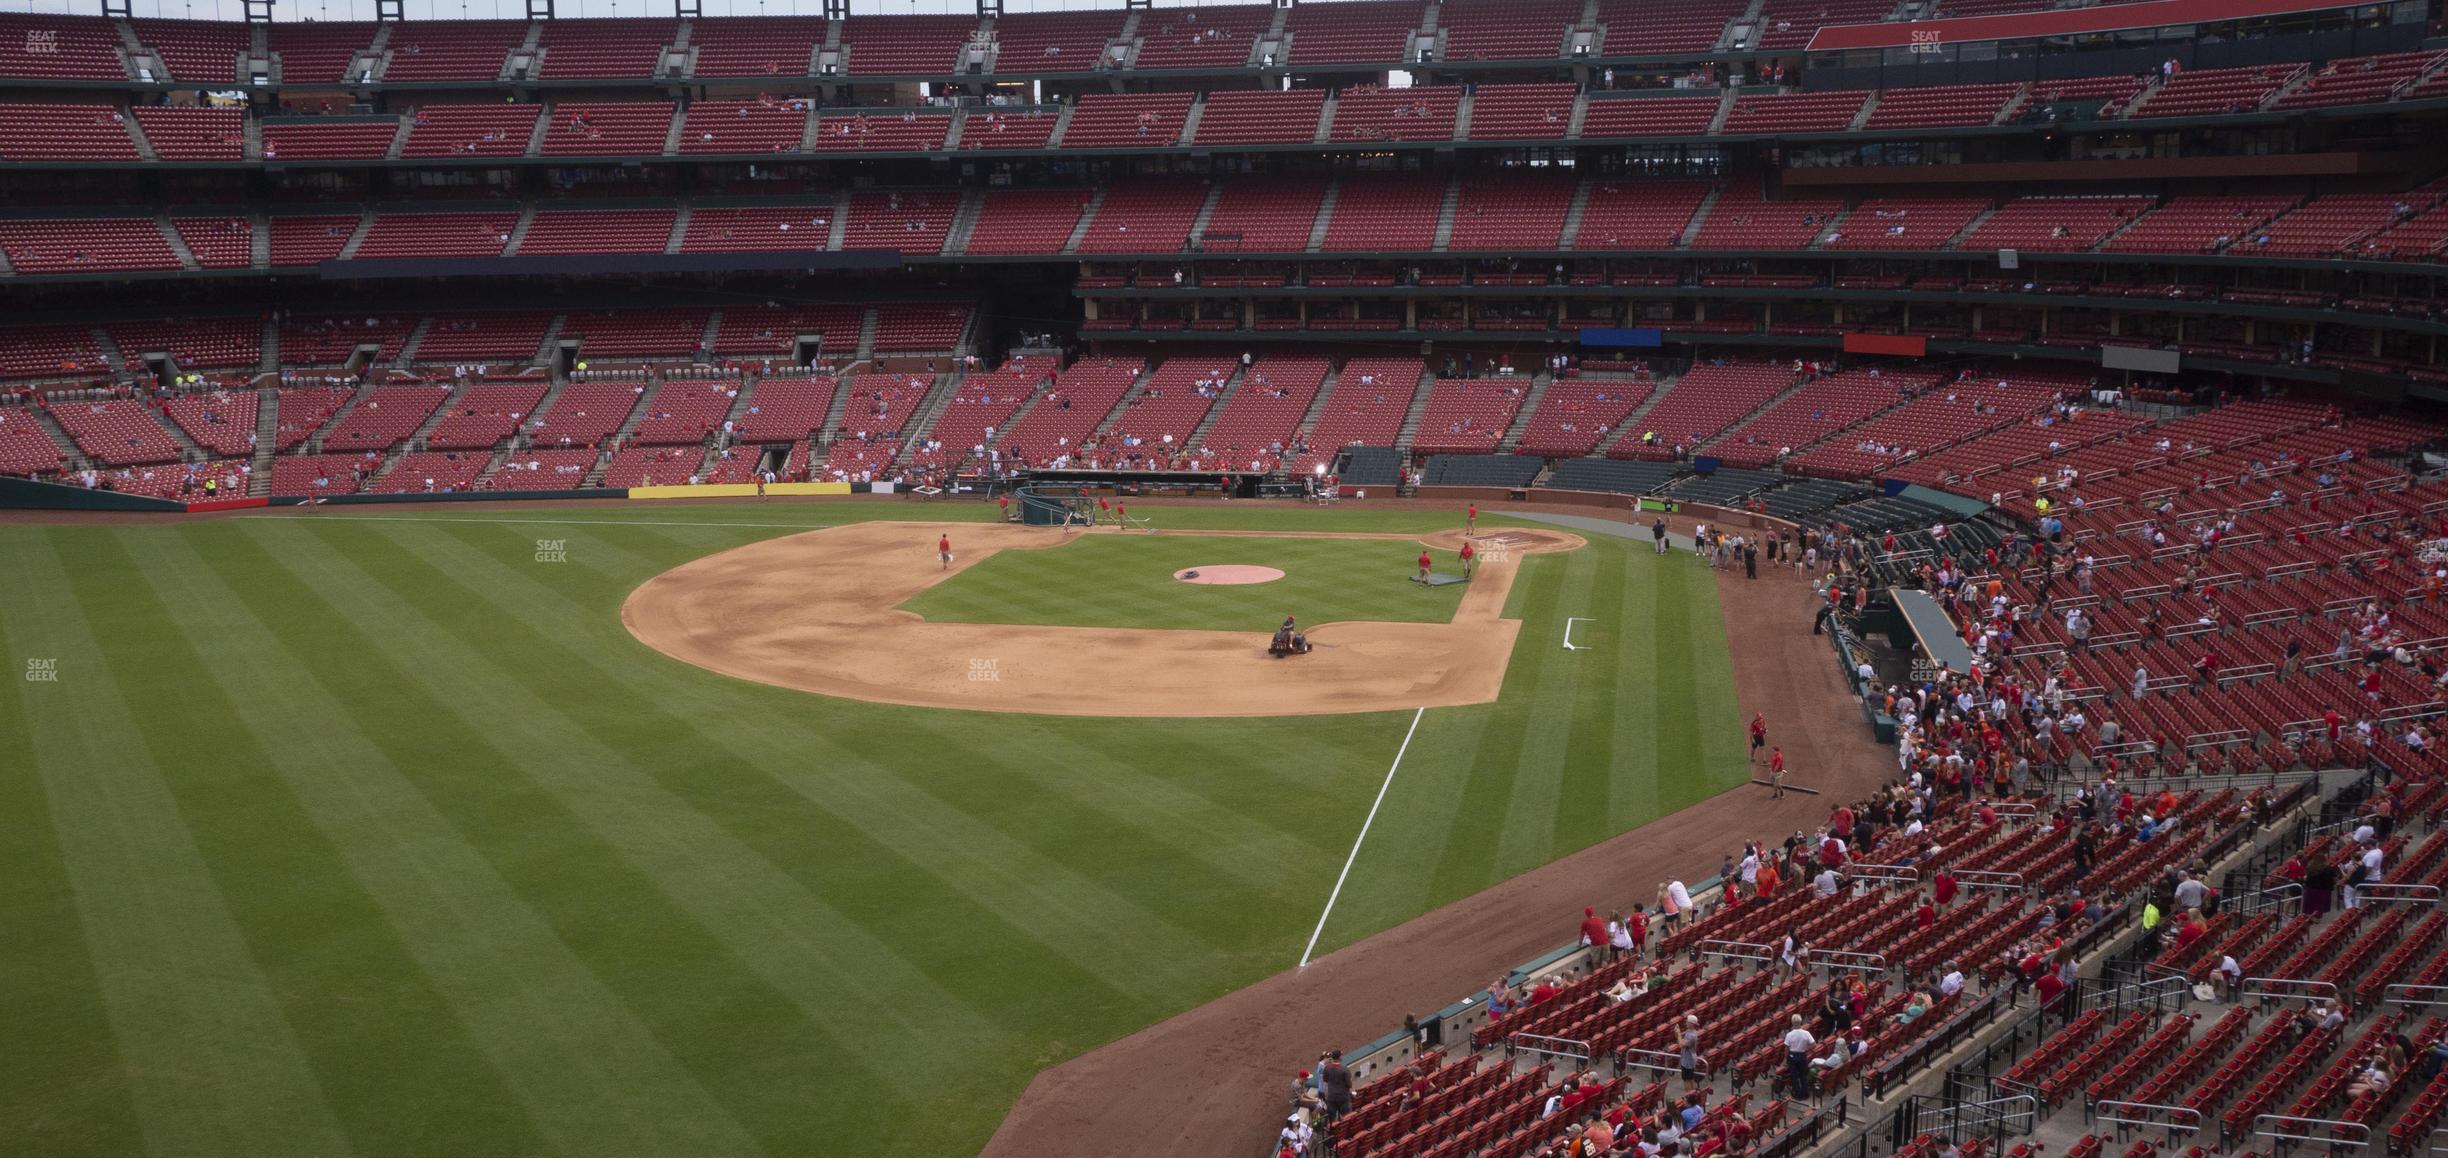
[(1229, 575)]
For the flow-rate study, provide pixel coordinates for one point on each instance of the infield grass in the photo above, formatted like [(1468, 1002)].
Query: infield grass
[(373, 832), (1117, 580)]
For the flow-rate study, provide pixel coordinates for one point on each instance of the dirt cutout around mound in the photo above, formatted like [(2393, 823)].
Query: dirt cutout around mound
[(1228, 575), (1212, 1082), (820, 612)]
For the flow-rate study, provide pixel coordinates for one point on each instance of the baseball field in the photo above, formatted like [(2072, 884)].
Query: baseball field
[(478, 831)]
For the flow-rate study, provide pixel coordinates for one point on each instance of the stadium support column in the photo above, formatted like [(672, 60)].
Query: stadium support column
[(539, 9), (116, 10), (837, 10), (687, 10), (259, 11), (989, 9), (390, 11)]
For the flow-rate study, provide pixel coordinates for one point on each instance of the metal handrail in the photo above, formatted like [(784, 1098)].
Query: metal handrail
[(2404, 894), (2361, 1135), (2281, 987), (1555, 1047), (1641, 1059), (2109, 1111), (1730, 949), (1988, 879), (1846, 959), (2408, 993)]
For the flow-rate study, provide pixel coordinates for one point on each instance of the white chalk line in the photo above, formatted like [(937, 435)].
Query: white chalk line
[(1364, 831)]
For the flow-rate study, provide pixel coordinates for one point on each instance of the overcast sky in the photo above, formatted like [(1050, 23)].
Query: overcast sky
[(517, 9)]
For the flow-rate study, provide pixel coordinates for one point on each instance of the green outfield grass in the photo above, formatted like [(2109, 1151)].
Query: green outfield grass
[(372, 831), (1114, 580)]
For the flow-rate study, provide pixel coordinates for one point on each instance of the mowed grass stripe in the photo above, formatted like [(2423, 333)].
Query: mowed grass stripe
[(450, 935), (69, 1095), (740, 741), (1550, 726), (1639, 713), (212, 1062), (1583, 803), (589, 958)]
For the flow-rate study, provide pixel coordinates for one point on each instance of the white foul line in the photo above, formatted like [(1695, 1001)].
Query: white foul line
[(1364, 827)]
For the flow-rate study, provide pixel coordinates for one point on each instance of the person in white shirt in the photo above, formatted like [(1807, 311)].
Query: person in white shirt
[(1953, 982), (1826, 882), (2230, 975), (1798, 1043)]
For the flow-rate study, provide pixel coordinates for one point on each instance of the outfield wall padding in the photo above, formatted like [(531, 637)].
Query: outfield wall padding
[(25, 494), (444, 497)]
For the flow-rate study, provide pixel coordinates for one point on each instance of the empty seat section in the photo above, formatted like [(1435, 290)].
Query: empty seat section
[(84, 245), (673, 333), (49, 46), (1467, 415), (984, 402), (759, 227), (1159, 420), (1940, 106), (49, 352), (1146, 217), (684, 412), (1506, 29), (384, 418), (760, 126), (1521, 112), (1026, 221), (1815, 411), (1622, 215), (218, 242), (1064, 417), (483, 415), (1648, 117), (2054, 224), (582, 49), (491, 130), (491, 338), (329, 140), (1203, 37), (2196, 224), (317, 475), (25, 447), (117, 431), (750, 46), (1744, 219), (1355, 32), (909, 222), (1255, 428), (583, 415), (771, 330), (439, 50), (314, 52), (1263, 216), (543, 470), (1510, 213), (1264, 117), (1127, 120), (195, 51), (598, 231), (65, 133), (875, 419), (222, 422), (1397, 213), (666, 466), (179, 133), (1701, 405), (2359, 80), (331, 339), (1789, 24), (908, 132), (1366, 407), (608, 128), (304, 410), (431, 472), (1368, 113), (484, 234), (1008, 129), (2323, 225), (1575, 415), (1027, 42), (309, 240), (194, 343), (2212, 91), (1647, 28), (1904, 223), (181, 480), (927, 45), (1796, 112), (2105, 96), (909, 327), (785, 409)]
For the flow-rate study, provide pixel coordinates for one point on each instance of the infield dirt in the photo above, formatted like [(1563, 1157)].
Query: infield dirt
[(820, 612)]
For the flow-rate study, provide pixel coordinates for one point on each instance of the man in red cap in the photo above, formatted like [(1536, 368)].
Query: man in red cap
[(1470, 520), (1424, 564), (1593, 930), (1469, 557)]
